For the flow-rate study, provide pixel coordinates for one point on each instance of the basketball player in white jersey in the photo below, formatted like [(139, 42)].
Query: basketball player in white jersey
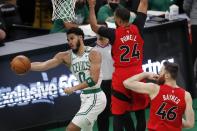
[(85, 64)]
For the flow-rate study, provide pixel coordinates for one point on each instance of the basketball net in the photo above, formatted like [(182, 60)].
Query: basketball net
[(64, 10)]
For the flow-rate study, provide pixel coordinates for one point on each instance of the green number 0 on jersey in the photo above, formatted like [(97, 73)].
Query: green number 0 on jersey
[(82, 77)]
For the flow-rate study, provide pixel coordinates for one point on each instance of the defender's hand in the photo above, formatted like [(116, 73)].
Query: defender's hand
[(69, 90), (152, 76)]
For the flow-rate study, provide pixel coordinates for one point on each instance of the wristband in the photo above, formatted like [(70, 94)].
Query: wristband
[(90, 82)]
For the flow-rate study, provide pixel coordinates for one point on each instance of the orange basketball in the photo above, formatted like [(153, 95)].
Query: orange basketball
[(20, 64)]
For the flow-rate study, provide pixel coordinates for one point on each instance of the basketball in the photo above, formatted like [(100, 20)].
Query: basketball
[(20, 64)]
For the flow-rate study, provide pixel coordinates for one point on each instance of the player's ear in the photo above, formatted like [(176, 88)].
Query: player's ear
[(167, 75), (81, 37)]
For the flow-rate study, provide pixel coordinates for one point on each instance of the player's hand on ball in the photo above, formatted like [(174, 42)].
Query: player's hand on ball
[(152, 76), (68, 90)]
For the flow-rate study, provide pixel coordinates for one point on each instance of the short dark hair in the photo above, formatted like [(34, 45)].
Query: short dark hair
[(123, 14), (171, 68), (76, 31)]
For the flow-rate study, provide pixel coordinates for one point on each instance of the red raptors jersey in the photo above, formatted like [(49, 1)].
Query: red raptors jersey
[(127, 53), (127, 49), (167, 109)]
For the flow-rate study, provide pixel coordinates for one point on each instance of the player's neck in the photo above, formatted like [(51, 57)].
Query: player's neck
[(81, 50), (171, 83)]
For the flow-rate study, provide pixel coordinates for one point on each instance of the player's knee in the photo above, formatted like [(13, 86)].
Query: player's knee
[(2, 35)]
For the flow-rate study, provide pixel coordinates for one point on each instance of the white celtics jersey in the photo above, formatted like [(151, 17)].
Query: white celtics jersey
[(80, 67)]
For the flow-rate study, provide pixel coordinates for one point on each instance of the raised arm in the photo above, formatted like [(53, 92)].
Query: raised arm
[(95, 59), (143, 6), (141, 15), (135, 85), (188, 122), (92, 19), (46, 65)]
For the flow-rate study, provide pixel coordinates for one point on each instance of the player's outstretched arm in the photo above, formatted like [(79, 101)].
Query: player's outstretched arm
[(92, 19), (143, 6), (46, 65), (134, 84), (95, 59), (188, 122)]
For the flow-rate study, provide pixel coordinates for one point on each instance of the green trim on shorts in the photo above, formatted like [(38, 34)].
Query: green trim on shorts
[(91, 91), (90, 108)]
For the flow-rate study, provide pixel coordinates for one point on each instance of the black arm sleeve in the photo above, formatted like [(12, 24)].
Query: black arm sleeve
[(108, 33), (140, 21)]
